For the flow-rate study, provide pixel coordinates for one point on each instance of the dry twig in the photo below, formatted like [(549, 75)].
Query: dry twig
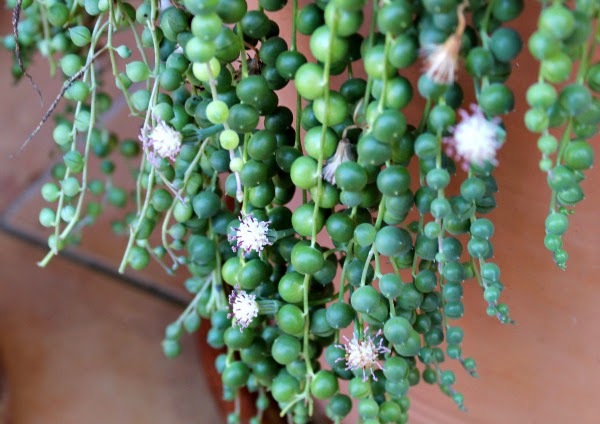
[(16, 16), (60, 95)]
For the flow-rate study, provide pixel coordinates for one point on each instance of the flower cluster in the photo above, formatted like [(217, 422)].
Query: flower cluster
[(364, 354), (251, 235), (476, 139), (244, 308), (160, 141)]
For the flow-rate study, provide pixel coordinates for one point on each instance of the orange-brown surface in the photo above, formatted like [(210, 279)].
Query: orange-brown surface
[(77, 345), (81, 347)]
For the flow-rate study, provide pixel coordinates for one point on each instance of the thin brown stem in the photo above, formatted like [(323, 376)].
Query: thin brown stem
[(60, 95), (16, 17)]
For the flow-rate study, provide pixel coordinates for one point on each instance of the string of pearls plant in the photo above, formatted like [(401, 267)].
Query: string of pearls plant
[(335, 212)]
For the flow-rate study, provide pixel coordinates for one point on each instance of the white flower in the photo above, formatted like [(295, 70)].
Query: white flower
[(244, 308), (342, 154), (475, 139), (251, 234), (160, 141), (363, 354)]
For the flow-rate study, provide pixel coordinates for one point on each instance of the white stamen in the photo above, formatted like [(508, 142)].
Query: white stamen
[(251, 234), (160, 141), (244, 308), (363, 354), (475, 139)]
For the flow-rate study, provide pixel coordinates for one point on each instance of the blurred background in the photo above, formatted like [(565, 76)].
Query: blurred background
[(81, 344), (78, 342)]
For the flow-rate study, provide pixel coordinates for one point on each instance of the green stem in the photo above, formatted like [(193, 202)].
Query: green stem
[(192, 305), (370, 42), (202, 133), (297, 142), (485, 23), (46, 31), (363, 276), (347, 259), (58, 235), (313, 241), (134, 231), (86, 155), (285, 233), (321, 159), (186, 177), (587, 55), (243, 52), (213, 89), (386, 49), (136, 37), (294, 24), (564, 142), (113, 62)]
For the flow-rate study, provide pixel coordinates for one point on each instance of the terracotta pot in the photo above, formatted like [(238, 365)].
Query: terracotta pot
[(4, 395)]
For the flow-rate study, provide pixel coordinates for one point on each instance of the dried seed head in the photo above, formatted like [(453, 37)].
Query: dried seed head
[(441, 61), (342, 154)]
